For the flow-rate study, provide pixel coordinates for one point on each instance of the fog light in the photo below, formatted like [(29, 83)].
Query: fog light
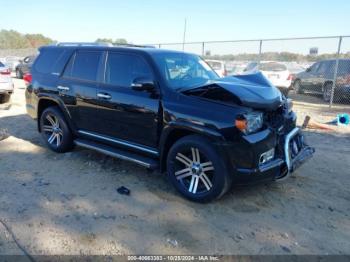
[(267, 156)]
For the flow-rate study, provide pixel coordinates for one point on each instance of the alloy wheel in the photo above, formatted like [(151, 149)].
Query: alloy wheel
[(53, 130), (194, 171), (327, 93)]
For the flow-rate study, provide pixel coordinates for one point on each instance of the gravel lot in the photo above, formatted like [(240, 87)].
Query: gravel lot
[(68, 203)]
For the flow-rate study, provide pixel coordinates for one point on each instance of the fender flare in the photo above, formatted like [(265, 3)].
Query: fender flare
[(186, 127), (62, 107)]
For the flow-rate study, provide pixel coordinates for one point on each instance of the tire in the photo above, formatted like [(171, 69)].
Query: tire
[(187, 175), (19, 74), (297, 87), (55, 130), (327, 92), (4, 98)]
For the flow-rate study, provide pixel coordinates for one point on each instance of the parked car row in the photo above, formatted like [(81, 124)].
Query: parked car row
[(315, 78), (19, 65)]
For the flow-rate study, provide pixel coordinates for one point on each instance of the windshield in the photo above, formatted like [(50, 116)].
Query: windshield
[(215, 65), (275, 67), (184, 71)]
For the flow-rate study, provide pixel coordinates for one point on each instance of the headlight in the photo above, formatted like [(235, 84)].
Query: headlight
[(250, 122)]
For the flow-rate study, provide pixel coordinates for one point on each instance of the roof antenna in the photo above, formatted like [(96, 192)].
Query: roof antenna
[(184, 38)]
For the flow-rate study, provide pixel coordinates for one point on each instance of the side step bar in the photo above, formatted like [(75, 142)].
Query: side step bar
[(118, 153)]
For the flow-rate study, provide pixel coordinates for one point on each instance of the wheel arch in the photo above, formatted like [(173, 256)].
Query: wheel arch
[(175, 131), (327, 82), (45, 102)]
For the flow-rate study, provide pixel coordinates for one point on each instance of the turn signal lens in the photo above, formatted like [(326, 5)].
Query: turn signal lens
[(241, 124)]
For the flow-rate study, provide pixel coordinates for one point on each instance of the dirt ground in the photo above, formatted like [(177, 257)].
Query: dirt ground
[(68, 203)]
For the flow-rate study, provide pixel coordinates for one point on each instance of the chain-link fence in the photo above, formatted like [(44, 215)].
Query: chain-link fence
[(312, 69)]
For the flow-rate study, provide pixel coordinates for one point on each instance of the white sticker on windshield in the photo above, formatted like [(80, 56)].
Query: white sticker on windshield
[(205, 65)]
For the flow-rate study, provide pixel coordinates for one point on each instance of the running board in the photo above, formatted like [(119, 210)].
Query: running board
[(118, 153)]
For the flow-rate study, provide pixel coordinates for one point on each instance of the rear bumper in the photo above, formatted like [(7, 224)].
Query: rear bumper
[(6, 88), (291, 153)]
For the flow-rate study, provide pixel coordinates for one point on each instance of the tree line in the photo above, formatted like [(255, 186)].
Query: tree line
[(11, 39)]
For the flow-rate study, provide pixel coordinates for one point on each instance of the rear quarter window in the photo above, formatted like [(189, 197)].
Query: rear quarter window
[(47, 59)]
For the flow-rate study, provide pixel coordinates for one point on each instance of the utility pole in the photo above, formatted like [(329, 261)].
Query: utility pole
[(184, 37)]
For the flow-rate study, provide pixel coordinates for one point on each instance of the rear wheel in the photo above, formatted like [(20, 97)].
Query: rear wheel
[(196, 170), (297, 87), (55, 130)]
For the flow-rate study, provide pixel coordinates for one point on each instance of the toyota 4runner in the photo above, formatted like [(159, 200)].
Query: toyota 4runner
[(166, 110)]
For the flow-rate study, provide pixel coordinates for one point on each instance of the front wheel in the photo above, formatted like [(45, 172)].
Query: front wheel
[(196, 169), (297, 87), (55, 130), (327, 92)]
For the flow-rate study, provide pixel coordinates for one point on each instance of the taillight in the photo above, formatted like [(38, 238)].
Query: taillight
[(225, 72), (5, 72), (27, 79), (290, 77)]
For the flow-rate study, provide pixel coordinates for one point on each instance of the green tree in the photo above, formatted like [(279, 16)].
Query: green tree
[(10, 39)]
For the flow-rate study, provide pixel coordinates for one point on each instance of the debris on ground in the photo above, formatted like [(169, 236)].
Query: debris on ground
[(310, 123), (172, 242), (123, 190)]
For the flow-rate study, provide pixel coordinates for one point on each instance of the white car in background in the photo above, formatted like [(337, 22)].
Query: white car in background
[(6, 84), (218, 66), (12, 62), (276, 72)]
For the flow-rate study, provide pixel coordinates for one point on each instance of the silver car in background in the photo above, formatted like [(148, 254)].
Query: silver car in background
[(6, 84)]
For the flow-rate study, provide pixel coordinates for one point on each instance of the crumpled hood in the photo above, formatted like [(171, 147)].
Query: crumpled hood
[(252, 90)]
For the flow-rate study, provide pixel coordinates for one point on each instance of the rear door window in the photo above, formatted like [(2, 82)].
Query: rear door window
[(344, 67), (326, 67), (84, 65), (123, 69)]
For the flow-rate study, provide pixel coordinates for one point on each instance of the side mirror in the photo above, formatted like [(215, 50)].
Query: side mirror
[(143, 84), (308, 69)]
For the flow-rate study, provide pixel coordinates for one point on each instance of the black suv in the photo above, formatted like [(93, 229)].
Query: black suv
[(319, 79), (168, 110)]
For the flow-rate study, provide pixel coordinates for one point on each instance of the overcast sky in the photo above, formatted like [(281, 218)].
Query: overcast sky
[(153, 21)]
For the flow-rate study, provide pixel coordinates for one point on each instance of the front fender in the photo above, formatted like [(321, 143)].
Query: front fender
[(179, 129)]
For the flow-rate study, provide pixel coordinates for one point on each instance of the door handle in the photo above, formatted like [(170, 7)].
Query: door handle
[(63, 88), (104, 96)]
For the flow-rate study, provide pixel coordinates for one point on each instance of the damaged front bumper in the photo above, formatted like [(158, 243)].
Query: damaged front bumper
[(296, 152), (292, 153)]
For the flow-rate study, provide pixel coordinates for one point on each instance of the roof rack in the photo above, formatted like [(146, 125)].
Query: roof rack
[(132, 45), (100, 44), (83, 44)]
